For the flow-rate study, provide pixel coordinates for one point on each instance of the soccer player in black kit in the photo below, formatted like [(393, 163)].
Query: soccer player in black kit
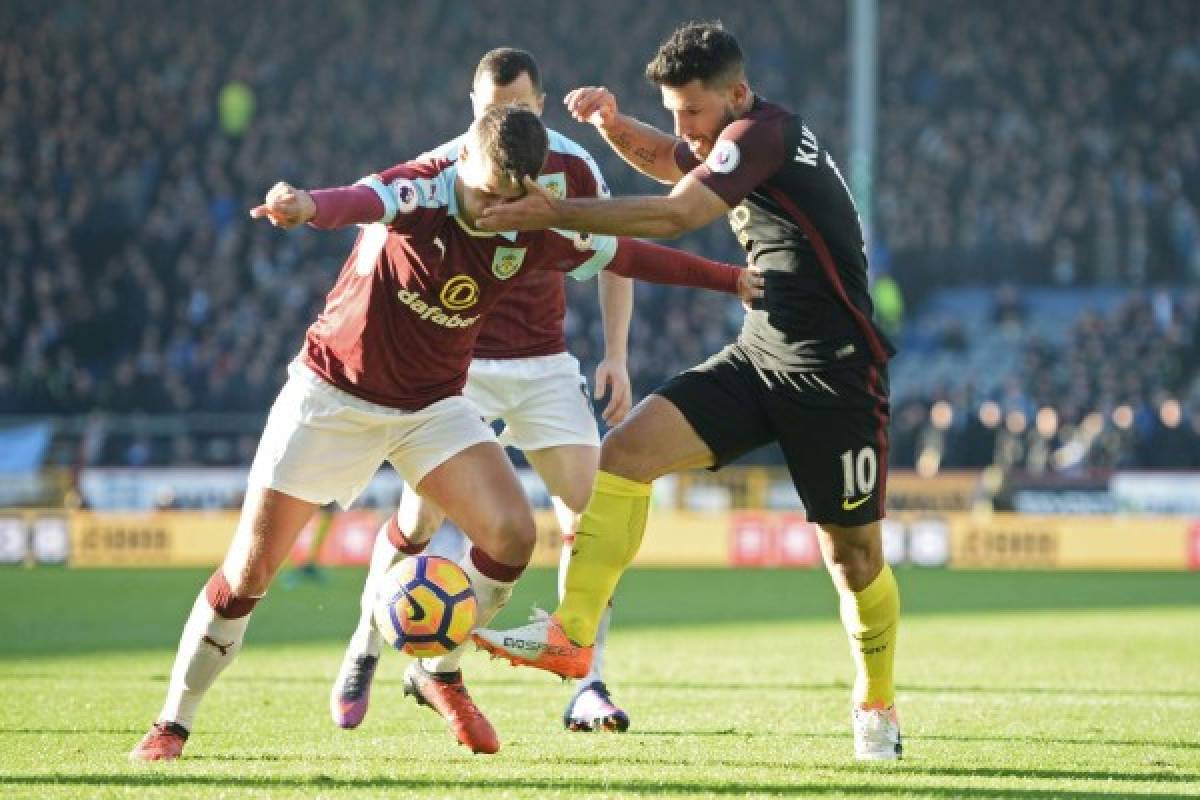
[(809, 369)]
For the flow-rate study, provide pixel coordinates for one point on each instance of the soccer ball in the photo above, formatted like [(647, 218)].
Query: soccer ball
[(425, 606)]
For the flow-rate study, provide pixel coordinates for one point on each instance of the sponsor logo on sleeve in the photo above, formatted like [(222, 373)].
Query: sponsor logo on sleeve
[(724, 158), (407, 196), (507, 261)]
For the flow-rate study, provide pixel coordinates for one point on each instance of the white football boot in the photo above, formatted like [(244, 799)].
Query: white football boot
[(876, 734)]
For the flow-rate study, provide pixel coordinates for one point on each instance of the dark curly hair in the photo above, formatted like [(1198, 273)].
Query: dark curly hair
[(702, 51), (514, 139)]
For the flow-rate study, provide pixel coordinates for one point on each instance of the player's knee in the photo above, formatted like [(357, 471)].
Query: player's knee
[(511, 537), (855, 560), (576, 496), (627, 456), (251, 581)]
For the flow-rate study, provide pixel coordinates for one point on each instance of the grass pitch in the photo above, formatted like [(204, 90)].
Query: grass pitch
[(1012, 685)]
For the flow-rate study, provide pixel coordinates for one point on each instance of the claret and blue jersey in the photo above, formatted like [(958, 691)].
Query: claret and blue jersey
[(399, 327), (529, 322)]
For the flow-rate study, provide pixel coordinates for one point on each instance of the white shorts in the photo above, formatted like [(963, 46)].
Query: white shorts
[(542, 401), (322, 445)]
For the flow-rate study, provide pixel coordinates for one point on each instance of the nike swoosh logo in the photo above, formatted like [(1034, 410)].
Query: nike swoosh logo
[(850, 506), (416, 612)]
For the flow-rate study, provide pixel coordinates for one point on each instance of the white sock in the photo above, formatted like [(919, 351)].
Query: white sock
[(491, 596), (199, 662), (366, 640)]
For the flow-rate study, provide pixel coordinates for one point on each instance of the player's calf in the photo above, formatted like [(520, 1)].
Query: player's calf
[(211, 639)]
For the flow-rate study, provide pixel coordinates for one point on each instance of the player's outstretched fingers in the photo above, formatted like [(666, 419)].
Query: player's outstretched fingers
[(267, 212), (757, 280), (751, 286)]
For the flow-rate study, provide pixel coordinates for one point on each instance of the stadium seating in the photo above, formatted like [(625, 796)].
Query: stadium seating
[(138, 133)]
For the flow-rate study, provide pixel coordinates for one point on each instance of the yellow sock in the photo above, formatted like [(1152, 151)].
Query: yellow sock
[(871, 618), (607, 539)]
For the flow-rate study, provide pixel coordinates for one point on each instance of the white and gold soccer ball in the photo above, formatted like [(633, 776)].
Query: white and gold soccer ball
[(425, 606)]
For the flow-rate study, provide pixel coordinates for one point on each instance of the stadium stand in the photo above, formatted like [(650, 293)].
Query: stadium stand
[(1036, 205)]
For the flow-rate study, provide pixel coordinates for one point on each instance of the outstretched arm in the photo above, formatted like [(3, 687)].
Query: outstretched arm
[(645, 148), (654, 263), (287, 207), (747, 153), (689, 206)]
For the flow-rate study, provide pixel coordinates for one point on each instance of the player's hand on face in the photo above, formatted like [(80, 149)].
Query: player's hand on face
[(536, 211), (595, 105), (612, 379), (750, 286), (286, 206)]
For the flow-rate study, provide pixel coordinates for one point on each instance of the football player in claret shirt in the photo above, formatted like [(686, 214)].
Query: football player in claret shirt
[(809, 369), (380, 377), (522, 375)]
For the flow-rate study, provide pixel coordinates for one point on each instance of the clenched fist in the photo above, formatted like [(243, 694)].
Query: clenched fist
[(592, 104), (286, 206)]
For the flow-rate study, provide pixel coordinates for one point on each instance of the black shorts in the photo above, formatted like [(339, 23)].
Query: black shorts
[(832, 426)]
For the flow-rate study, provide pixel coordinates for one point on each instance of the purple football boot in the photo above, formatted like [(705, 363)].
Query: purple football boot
[(352, 690)]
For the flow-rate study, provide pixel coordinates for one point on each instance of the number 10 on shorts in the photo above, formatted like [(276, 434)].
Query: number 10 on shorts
[(859, 471)]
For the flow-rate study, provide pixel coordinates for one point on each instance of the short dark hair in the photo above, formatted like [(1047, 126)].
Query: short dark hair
[(505, 64), (702, 51), (514, 140)]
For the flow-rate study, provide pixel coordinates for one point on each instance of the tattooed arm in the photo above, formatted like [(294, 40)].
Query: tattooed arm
[(646, 148)]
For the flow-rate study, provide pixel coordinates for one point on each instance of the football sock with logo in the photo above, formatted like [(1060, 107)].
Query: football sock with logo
[(596, 673), (493, 585), (211, 639), (608, 538), (871, 618), (389, 541)]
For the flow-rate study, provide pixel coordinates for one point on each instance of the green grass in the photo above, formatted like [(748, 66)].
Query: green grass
[(1012, 685)]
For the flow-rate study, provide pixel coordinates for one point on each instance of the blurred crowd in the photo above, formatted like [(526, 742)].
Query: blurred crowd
[(1121, 390), (1049, 142), (1045, 142)]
